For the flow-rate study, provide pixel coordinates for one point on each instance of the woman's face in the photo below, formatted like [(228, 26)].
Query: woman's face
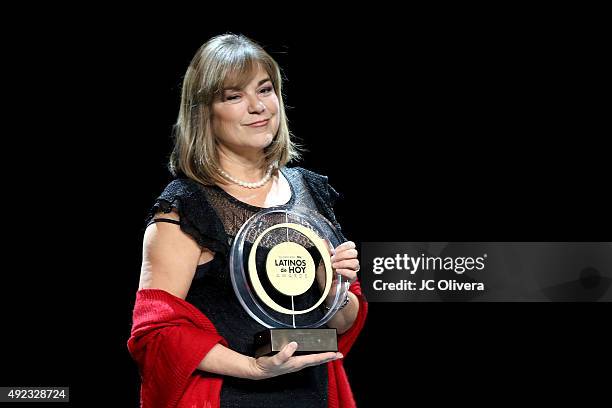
[(247, 119)]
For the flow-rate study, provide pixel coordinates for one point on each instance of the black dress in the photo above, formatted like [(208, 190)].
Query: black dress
[(213, 217)]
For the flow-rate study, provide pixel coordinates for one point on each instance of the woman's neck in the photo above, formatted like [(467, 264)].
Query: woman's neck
[(242, 166)]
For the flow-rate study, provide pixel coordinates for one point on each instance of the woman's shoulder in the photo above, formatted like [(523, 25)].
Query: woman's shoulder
[(180, 187), (180, 191), (324, 195), (197, 218), (318, 184), (308, 175)]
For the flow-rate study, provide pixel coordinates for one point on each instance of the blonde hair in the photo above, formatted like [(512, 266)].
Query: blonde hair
[(223, 60)]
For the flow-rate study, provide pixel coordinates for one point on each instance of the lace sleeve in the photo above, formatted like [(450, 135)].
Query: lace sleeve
[(197, 218)]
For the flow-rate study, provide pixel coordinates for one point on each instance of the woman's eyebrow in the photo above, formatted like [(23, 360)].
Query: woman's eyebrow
[(234, 88)]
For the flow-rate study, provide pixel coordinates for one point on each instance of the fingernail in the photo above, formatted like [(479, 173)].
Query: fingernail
[(340, 355)]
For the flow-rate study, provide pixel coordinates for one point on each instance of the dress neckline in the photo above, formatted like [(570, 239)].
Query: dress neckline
[(254, 207)]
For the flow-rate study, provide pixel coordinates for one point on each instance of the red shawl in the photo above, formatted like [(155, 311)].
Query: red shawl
[(170, 337)]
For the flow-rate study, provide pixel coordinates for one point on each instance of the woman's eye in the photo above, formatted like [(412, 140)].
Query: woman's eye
[(267, 89), (232, 97)]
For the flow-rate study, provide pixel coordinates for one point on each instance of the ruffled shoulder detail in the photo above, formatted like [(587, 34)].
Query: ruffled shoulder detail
[(324, 195), (197, 218)]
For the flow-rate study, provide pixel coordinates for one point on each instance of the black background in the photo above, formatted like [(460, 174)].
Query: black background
[(449, 125)]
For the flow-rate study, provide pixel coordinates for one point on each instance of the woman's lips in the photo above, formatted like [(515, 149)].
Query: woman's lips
[(259, 124)]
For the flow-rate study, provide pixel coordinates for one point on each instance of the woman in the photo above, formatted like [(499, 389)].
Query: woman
[(191, 338)]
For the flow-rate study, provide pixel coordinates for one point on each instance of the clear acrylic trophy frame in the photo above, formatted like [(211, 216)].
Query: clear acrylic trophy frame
[(308, 225)]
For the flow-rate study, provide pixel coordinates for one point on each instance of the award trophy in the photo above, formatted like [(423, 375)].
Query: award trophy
[(282, 275)]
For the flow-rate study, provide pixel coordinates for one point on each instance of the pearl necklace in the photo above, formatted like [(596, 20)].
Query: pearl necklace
[(246, 184)]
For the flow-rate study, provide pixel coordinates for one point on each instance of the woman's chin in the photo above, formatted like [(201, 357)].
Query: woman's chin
[(265, 141), (259, 145)]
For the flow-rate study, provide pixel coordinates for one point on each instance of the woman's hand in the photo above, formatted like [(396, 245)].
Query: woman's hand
[(284, 362), (345, 262)]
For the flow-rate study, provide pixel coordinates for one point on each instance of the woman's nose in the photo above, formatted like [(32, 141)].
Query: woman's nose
[(256, 105)]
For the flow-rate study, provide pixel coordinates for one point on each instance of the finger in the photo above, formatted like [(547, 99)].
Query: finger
[(346, 254), (286, 352), (315, 359), (352, 264), (346, 245)]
